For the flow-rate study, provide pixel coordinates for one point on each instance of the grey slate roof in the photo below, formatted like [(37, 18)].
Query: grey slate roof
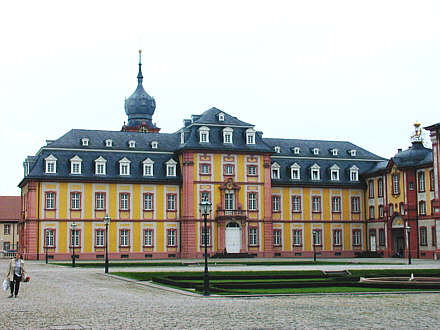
[(416, 155), (209, 117)]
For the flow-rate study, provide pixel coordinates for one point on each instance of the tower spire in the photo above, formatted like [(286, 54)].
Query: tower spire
[(139, 76)]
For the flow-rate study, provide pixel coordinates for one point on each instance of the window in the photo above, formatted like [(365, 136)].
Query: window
[(355, 204), (275, 172), (402, 208), (277, 149), (250, 136), (148, 165), (75, 201), (353, 153), (229, 169), (316, 237), (422, 208), (252, 170), (337, 237), (100, 201), (205, 169), (253, 236), (379, 187), (396, 181), (171, 167), (131, 144), (148, 202), (421, 180), (85, 142), (51, 164), (108, 143), (354, 173), (204, 134), (295, 172), (252, 201), (296, 203), (182, 137), (206, 236), (171, 237), (431, 180), (334, 173), (336, 204), (100, 166), (124, 238), (148, 237), (315, 151), (371, 214), (381, 214), (50, 200), (50, 238), (297, 237), (334, 152), (124, 201), (6, 246), (171, 202), (154, 144), (296, 150), (124, 166), (227, 135), (276, 201), (434, 236), (356, 237), (7, 229), (314, 172), (391, 209), (381, 237), (316, 204), (205, 196), (277, 237), (221, 117), (99, 238), (75, 237), (423, 236), (75, 165), (229, 200)]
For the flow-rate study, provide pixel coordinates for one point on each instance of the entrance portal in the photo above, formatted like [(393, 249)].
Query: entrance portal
[(233, 237), (397, 237)]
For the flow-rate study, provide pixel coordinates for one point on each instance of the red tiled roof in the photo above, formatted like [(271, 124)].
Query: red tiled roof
[(10, 207)]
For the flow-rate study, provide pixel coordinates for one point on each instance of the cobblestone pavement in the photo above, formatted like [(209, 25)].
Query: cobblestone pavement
[(66, 298)]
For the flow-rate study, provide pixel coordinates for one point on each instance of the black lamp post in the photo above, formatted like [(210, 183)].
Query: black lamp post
[(106, 221), (73, 238), (408, 231), (314, 245), (205, 208)]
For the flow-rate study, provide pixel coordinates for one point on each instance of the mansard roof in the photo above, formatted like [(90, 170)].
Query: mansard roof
[(210, 117)]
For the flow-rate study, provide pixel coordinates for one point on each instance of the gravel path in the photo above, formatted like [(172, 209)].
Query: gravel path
[(66, 298)]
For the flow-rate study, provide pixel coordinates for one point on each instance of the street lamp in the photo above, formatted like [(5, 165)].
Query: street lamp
[(314, 245), (73, 238), (408, 231), (205, 208), (106, 222)]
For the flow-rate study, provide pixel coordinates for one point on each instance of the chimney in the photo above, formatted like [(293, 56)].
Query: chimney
[(399, 150)]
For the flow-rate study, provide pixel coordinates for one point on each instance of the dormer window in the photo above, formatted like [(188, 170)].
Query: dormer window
[(221, 116), (204, 134), (154, 144), (124, 166), (51, 164), (171, 167), (109, 143), (354, 173), (227, 135), (148, 165), (353, 152), (132, 144), (100, 166), (334, 173), (315, 151), (277, 149), (334, 152), (182, 137), (250, 136), (275, 171), (295, 171), (296, 150), (75, 165), (85, 142), (314, 172)]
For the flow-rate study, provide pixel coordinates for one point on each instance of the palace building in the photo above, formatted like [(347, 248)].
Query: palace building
[(270, 196)]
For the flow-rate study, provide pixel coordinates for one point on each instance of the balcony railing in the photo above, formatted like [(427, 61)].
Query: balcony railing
[(220, 213)]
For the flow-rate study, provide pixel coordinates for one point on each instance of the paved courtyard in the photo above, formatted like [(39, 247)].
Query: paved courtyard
[(66, 298)]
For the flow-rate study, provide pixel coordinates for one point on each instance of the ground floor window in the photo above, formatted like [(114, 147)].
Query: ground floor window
[(171, 237), (337, 237), (356, 237), (99, 237), (297, 237), (381, 237), (277, 237), (253, 236), (124, 238)]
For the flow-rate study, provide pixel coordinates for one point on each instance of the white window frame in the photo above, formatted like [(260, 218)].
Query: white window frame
[(154, 144), (171, 202), (124, 200), (100, 200), (49, 202), (354, 173), (148, 167), (148, 237), (276, 237), (334, 152), (100, 238), (356, 204), (109, 143), (336, 204), (85, 142), (171, 167), (353, 152), (124, 166), (422, 207), (100, 161), (204, 134), (315, 151), (276, 203), (296, 203), (148, 201), (221, 116), (75, 237), (295, 172), (124, 238), (316, 237), (205, 235), (315, 174), (171, 237), (296, 150), (275, 171), (132, 144), (334, 173), (250, 136), (182, 137), (227, 135), (252, 201), (229, 169), (252, 170), (253, 236), (337, 237), (421, 181), (297, 237), (51, 164), (75, 200), (229, 200), (316, 204), (277, 149), (50, 238), (357, 240)]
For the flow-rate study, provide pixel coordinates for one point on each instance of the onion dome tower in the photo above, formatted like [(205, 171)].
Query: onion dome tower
[(140, 108)]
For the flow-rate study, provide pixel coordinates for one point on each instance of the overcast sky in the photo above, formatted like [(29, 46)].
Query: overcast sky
[(362, 71)]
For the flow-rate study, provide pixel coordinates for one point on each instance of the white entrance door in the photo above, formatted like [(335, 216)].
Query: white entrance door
[(373, 243), (233, 239)]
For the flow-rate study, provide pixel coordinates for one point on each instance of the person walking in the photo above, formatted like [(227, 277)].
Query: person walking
[(15, 274)]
